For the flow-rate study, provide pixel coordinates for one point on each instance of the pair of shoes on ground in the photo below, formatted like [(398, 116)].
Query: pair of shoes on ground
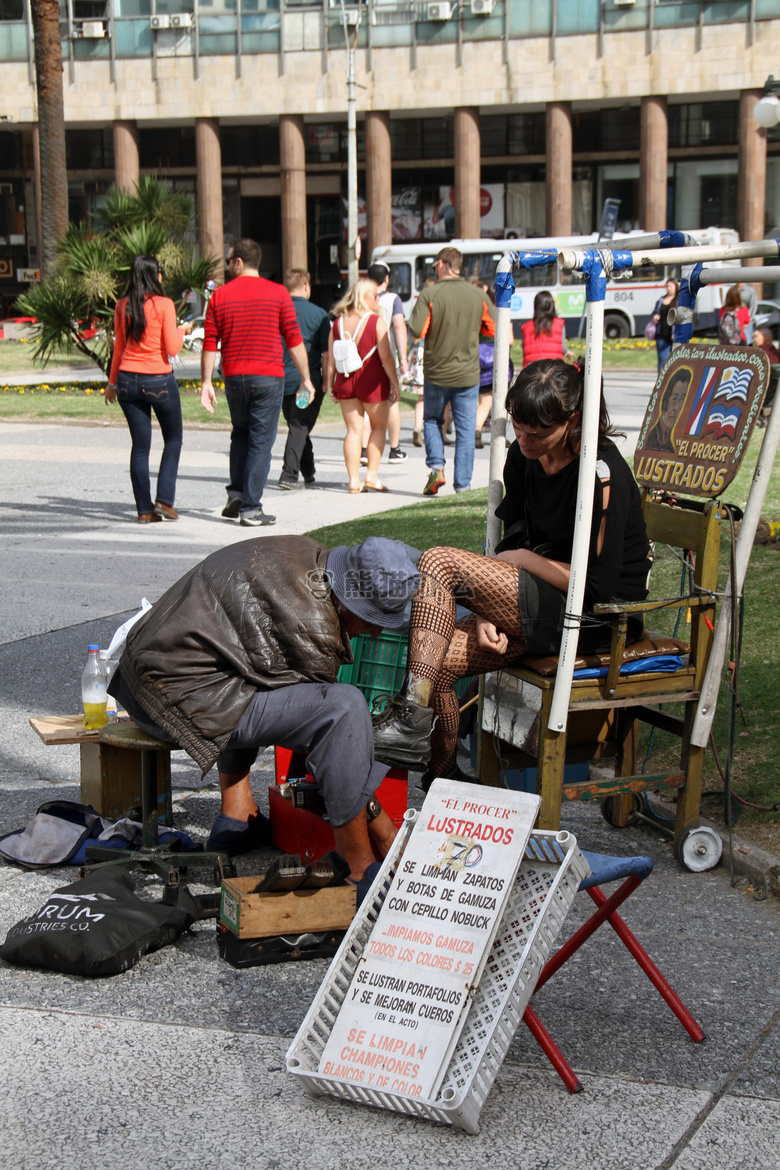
[(396, 455), (368, 487), (235, 837), (402, 733), (232, 508), (435, 481), (417, 438), (160, 512)]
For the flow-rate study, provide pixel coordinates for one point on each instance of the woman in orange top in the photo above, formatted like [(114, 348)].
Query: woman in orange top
[(141, 378)]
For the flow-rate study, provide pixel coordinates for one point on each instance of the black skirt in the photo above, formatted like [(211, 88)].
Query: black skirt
[(542, 609)]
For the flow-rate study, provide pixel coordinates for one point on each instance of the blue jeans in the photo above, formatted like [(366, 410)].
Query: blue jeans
[(255, 401), (139, 395), (463, 400), (664, 349)]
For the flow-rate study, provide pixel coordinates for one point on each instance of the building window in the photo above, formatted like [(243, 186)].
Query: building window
[(11, 150), (405, 138), (511, 134), (704, 124), (326, 142), (615, 128), (250, 146), (89, 150), (166, 146), (705, 193)]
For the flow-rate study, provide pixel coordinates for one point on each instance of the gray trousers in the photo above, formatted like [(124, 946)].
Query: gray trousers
[(330, 723)]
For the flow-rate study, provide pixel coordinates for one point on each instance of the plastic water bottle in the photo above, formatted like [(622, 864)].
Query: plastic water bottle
[(93, 690), (302, 397), (109, 667)]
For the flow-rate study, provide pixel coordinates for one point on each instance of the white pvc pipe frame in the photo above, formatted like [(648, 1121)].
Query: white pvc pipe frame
[(574, 259)]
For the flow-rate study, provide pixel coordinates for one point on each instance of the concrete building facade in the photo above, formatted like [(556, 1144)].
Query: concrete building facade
[(483, 117)]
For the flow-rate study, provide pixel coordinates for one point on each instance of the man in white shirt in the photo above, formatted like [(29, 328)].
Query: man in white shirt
[(392, 311)]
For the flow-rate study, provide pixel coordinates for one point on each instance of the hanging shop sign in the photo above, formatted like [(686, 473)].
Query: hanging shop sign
[(699, 419)]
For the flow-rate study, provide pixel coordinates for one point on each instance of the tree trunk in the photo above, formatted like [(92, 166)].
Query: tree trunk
[(51, 128)]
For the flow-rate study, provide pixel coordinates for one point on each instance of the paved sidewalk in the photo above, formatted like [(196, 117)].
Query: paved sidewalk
[(180, 1062)]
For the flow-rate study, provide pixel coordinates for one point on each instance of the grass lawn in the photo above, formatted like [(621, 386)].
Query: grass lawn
[(16, 357), (84, 403), (756, 767)]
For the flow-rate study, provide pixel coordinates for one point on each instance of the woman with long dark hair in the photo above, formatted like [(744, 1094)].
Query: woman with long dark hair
[(141, 379), (518, 599), (545, 335)]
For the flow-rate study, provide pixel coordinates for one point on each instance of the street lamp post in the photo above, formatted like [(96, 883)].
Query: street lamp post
[(353, 239)]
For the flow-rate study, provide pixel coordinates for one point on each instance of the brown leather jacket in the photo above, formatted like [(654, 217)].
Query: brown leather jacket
[(254, 615)]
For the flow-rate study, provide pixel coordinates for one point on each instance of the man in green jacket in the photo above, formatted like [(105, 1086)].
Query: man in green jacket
[(451, 315)]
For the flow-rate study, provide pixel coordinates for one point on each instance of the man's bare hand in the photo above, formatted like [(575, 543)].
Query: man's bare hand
[(208, 397), (491, 638)]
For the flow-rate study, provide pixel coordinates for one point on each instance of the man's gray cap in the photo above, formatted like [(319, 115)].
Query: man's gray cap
[(374, 580)]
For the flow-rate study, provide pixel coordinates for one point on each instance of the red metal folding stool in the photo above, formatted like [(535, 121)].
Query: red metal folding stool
[(604, 868)]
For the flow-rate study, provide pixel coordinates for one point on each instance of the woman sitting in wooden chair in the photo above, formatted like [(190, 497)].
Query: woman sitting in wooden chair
[(518, 600)]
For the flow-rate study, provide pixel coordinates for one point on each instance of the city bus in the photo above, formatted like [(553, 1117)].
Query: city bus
[(629, 304)]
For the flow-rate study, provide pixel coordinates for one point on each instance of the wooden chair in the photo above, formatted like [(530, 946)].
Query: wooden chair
[(605, 713)]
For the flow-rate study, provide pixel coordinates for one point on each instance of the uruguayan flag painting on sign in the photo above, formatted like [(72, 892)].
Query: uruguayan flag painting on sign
[(735, 383), (702, 400)]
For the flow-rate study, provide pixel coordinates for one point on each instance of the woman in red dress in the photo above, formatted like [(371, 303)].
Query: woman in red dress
[(368, 390)]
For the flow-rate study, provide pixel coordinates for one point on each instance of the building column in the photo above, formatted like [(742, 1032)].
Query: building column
[(292, 156), (468, 179), (751, 175), (127, 166), (653, 160), (558, 169), (208, 160), (379, 183)]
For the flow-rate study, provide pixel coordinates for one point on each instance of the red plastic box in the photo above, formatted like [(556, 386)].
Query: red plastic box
[(298, 830)]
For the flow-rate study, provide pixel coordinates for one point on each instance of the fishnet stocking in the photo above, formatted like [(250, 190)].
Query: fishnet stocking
[(444, 651)]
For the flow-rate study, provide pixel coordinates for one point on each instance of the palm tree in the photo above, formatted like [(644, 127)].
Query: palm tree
[(51, 129), (93, 264)]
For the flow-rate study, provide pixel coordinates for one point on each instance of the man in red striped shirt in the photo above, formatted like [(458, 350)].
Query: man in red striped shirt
[(249, 316)]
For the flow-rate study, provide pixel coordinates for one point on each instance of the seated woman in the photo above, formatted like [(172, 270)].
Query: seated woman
[(518, 600)]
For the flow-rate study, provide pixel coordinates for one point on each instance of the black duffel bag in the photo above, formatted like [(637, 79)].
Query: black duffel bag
[(97, 926)]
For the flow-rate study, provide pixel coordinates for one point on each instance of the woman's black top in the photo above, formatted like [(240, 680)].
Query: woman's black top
[(539, 513), (663, 330)]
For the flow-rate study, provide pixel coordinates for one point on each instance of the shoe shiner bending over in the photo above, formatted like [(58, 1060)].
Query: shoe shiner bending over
[(243, 652), (517, 600)]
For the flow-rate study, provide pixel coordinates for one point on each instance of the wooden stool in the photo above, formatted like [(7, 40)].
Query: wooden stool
[(153, 857), (110, 777)]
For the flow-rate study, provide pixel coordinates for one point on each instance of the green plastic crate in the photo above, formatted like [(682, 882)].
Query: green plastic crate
[(380, 665)]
